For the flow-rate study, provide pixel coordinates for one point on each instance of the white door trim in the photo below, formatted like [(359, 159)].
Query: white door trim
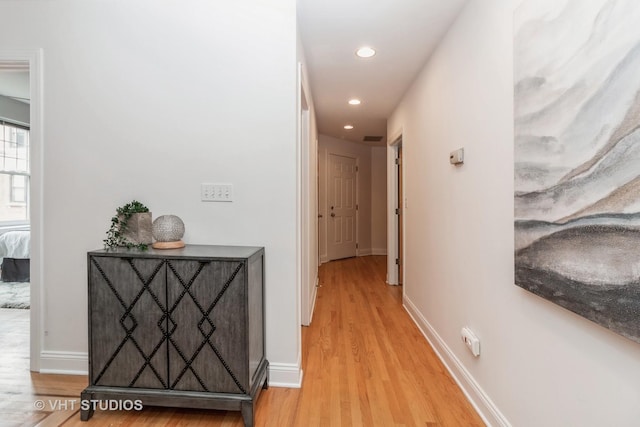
[(392, 205), (307, 206), (305, 179), (302, 194), (33, 58)]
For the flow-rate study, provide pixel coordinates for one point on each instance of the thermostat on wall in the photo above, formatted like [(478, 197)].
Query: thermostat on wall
[(457, 157)]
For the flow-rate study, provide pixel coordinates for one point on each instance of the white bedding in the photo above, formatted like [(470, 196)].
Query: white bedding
[(14, 244)]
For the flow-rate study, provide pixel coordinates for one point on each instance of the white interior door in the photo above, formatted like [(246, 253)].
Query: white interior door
[(342, 207)]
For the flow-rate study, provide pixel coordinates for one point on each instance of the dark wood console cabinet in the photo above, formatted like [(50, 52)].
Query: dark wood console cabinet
[(178, 327)]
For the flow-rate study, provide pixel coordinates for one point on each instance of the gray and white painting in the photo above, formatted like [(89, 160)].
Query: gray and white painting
[(577, 157)]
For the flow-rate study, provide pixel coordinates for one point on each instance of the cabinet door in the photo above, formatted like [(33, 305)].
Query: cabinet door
[(128, 322), (207, 311)]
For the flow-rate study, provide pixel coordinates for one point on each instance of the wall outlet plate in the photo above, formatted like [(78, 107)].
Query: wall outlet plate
[(456, 157), (471, 341)]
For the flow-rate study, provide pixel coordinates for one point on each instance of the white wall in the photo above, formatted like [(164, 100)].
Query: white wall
[(540, 365), (148, 100), (14, 111), (378, 201)]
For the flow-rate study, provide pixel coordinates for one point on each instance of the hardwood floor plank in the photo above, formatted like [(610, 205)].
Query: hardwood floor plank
[(365, 364)]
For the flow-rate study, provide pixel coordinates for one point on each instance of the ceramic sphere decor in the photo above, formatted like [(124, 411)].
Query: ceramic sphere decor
[(168, 231)]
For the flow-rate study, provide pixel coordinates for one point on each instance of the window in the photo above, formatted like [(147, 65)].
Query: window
[(18, 189), (14, 173)]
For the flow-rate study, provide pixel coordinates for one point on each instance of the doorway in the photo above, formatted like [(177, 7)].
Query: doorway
[(29, 62), (396, 207), (308, 267), (400, 214)]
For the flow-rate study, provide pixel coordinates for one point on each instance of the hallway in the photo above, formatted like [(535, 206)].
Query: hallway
[(365, 361), (365, 364)]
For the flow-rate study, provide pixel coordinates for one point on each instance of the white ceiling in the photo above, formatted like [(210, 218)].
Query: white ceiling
[(404, 33)]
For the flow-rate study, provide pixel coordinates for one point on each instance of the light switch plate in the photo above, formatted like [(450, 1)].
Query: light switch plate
[(216, 192)]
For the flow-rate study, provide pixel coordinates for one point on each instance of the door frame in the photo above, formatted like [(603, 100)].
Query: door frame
[(307, 203), (32, 58), (305, 244), (392, 219), (400, 212)]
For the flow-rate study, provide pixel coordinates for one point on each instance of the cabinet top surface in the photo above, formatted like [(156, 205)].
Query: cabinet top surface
[(189, 251)]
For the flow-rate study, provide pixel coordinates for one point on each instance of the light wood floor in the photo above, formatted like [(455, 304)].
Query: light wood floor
[(365, 364)]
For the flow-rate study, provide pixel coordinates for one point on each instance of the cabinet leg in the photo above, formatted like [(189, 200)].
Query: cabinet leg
[(247, 413), (86, 411)]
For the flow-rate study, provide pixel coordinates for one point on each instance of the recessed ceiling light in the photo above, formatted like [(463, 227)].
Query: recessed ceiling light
[(348, 127), (354, 101), (365, 52)]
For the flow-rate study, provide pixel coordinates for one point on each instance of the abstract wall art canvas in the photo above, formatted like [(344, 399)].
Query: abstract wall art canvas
[(577, 157)]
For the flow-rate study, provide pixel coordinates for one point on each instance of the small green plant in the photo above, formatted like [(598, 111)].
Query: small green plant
[(116, 233)]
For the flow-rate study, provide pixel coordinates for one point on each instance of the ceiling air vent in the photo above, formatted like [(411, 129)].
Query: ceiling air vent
[(372, 139)]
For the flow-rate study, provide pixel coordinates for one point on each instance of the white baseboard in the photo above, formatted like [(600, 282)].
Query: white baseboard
[(64, 362), (361, 252), (76, 363), (287, 375), (483, 404), (372, 251)]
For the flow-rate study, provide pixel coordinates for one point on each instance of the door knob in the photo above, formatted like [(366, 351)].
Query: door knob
[(319, 215), (332, 214)]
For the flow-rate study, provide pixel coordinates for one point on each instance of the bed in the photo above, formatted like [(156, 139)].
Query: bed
[(14, 256)]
